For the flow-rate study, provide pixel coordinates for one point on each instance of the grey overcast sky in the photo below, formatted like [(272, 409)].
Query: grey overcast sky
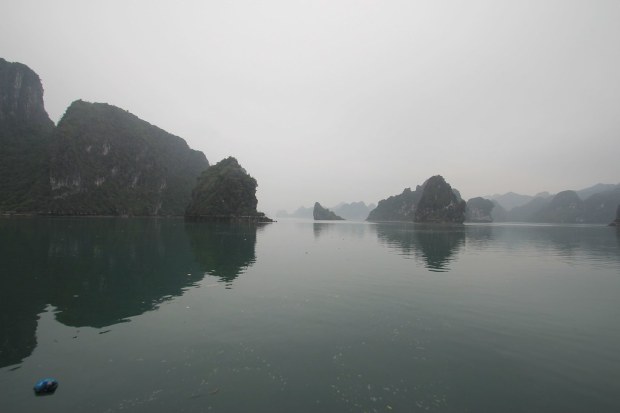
[(342, 100)]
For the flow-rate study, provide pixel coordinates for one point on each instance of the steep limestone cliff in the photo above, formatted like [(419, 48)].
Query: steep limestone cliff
[(25, 128), (21, 98), (106, 161)]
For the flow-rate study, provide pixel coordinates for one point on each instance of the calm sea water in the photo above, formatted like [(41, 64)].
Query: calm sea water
[(157, 315)]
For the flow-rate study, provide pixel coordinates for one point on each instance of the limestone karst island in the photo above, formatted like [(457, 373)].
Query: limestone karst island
[(102, 160)]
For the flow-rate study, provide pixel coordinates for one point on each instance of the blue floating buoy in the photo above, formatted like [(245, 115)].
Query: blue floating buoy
[(45, 386)]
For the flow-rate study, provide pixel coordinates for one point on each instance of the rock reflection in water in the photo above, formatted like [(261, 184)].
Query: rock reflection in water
[(106, 270), (349, 229), (434, 245), (223, 250), (96, 272)]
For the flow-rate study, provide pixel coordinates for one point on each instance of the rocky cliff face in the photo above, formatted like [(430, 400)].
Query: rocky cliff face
[(479, 210), (439, 203), (24, 131), (21, 98), (323, 214), (106, 161), (225, 191)]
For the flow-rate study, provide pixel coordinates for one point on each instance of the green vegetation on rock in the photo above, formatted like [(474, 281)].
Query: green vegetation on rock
[(225, 191)]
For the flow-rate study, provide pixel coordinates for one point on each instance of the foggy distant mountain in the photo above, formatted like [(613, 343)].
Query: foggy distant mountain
[(565, 207), (569, 207), (601, 206), (526, 212), (593, 205), (301, 212), (510, 200), (595, 189), (354, 211), (498, 213)]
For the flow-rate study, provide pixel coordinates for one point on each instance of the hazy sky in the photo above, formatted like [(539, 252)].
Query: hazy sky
[(335, 101)]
